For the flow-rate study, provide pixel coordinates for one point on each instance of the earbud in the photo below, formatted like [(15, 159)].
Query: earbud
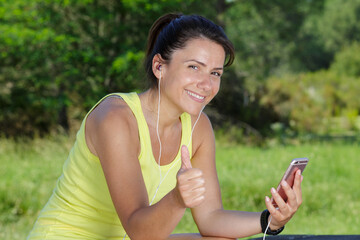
[(159, 68)]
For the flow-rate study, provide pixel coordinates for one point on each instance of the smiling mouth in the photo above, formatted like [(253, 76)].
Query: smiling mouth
[(195, 95)]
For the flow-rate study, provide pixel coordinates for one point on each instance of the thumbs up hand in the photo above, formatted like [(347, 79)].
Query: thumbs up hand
[(190, 186)]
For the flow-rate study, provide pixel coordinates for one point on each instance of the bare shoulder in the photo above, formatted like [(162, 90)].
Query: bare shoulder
[(112, 120), (203, 135), (111, 109)]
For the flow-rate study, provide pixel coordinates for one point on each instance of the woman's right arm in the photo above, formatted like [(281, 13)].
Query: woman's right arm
[(112, 135)]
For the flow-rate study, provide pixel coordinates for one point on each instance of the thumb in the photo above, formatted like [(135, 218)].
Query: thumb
[(185, 158)]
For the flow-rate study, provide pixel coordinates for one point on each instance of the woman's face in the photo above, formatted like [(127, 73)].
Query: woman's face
[(191, 79)]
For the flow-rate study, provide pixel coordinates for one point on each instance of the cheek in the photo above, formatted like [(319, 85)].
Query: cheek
[(216, 87)]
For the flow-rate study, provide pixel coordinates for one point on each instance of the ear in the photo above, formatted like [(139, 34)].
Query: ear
[(157, 65)]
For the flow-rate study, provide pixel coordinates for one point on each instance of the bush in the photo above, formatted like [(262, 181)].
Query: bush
[(347, 62), (314, 102)]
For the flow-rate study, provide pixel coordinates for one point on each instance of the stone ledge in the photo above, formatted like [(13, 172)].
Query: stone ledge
[(311, 237)]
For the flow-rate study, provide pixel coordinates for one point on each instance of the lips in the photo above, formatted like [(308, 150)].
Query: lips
[(195, 96)]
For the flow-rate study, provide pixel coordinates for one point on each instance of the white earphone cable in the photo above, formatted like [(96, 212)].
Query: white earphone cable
[(160, 147), (267, 227), (158, 137), (157, 126)]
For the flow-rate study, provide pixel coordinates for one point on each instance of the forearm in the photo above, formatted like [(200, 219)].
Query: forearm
[(230, 224), (156, 221)]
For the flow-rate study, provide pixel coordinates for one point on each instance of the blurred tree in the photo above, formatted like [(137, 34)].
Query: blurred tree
[(347, 61), (28, 95), (58, 57), (265, 35), (339, 26), (314, 102), (65, 54), (326, 32)]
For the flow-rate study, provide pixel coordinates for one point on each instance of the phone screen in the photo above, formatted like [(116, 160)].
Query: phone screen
[(289, 176)]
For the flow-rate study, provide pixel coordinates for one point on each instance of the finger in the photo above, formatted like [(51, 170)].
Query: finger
[(278, 200), (291, 196), (196, 201), (191, 178), (194, 197), (186, 178), (193, 193), (197, 183), (297, 187), (271, 207), (193, 174), (188, 185), (277, 218), (185, 158)]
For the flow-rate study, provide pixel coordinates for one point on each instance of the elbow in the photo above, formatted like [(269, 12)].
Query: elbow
[(146, 236), (208, 233), (204, 231)]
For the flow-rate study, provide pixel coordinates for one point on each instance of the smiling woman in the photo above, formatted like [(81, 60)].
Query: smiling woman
[(140, 160), (192, 78)]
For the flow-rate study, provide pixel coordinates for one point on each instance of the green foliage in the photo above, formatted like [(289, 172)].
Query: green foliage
[(29, 95), (347, 61), (59, 57), (269, 41), (326, 32), (338, 25), (314, 102), (264, 34)]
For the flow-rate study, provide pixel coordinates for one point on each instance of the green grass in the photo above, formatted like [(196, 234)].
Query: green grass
[(28, 174), (331, 189)]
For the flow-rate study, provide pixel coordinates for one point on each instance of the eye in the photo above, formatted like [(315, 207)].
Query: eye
[(193, 67), (218, 74)]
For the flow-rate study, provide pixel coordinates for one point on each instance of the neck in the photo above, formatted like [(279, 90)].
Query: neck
[(168, 117)]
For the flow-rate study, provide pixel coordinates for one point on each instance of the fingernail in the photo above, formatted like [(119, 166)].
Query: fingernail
[(267, 199), (284, 183), (273, 190), (298, 172)]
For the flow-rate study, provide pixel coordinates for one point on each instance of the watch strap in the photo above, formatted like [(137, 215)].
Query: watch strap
[(264, 223)]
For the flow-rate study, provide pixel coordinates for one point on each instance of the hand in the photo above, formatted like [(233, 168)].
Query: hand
[(285, 211), (190, 182)]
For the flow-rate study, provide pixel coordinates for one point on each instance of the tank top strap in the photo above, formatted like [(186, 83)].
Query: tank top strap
[(133, 101), (186, 131)]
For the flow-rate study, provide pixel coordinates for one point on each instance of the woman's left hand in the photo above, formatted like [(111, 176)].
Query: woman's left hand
[(285, 210)]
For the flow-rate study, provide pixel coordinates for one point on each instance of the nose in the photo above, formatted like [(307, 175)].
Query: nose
[(205, 83)]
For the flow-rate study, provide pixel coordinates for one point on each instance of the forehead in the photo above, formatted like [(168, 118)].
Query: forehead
[(201, 49)]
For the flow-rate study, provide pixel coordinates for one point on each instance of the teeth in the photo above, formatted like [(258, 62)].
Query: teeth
[(195, 95)]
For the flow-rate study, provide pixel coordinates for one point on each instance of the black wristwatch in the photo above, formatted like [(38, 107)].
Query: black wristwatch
[(264, 222)]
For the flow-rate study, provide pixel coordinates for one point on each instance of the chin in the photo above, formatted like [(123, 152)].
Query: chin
[(194, 111)]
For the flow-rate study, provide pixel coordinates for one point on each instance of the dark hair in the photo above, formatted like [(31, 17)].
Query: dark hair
[(172, 31)]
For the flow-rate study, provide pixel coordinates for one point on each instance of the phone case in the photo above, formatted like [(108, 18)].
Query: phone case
[(289, 176)]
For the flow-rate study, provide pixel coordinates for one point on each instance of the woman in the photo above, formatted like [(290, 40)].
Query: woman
[(140, 160)]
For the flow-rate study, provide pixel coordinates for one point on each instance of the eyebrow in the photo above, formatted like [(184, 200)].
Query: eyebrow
[(203, 64)]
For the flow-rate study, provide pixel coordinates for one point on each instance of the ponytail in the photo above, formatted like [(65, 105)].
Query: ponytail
[(156, 28)]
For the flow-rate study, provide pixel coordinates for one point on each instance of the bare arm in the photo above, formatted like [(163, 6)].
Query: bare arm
[(210, 217), (112, 135)]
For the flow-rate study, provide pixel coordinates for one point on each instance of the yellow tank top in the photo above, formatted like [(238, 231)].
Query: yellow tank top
[(80, 206)]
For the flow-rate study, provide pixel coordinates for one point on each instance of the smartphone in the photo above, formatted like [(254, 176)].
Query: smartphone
[(289, 176)]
